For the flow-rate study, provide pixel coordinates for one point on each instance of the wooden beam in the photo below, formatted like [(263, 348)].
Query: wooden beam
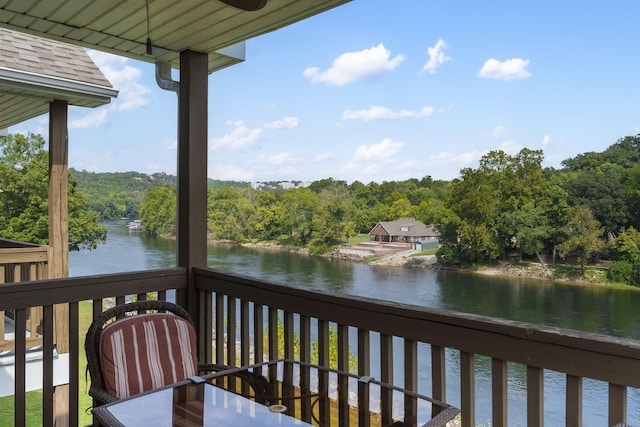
[(59, 237), (58, 190), (191, 230)]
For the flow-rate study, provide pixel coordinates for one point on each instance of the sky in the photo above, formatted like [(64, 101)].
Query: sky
[(386, 90)]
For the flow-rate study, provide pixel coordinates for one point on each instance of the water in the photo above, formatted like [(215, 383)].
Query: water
[(592, 309)]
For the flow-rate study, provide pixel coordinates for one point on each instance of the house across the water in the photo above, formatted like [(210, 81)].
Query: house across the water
[(404, 230)]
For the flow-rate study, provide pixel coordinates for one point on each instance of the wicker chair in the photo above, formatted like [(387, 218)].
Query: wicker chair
[(128, 312)]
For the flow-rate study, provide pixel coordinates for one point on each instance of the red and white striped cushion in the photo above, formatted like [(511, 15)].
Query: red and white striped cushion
[(146, 351)]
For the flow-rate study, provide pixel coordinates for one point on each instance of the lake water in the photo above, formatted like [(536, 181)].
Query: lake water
[(593, 309)]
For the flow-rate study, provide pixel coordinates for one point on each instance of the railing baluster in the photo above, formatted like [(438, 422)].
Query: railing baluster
[(287, 386), (343, 380), (273, 342), (273, 334), (258, 333), (499, 392), (410, 381), (231, 331), (205, 326), (535, 396), (74, 363), (220, 343), (617, 404), (47, 366), (438, 377), (120, 300), (305, 372), (574, 401), (288, 335), (20, 366), (323, 375), (245, 341), (245, 348), (364, 369), (386, 376), (467, 389)]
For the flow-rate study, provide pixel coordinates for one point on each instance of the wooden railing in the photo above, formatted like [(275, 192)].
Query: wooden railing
[(97, 291), (21, 264), (245, 321), (398, 336)]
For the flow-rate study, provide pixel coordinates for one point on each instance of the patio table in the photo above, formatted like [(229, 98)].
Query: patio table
[(302, 394), (189, 404)]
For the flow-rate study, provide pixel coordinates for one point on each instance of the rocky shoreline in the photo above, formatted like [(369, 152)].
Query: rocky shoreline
[(409, 259)]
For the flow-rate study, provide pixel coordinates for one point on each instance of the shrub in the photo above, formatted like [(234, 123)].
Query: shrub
[(318, 246), (620, 271)]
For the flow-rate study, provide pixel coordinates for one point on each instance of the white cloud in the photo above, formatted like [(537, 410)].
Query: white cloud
[(499, 131), (437, 57), (380, 151), (376, 112), (284, 123), (226, 171), (324, 157), (546, 140), (124, 78), (242, 137), (279, 159), (353, 66), (510, 147), (239, 138), (511, 69), (93, 119), (461, 159)]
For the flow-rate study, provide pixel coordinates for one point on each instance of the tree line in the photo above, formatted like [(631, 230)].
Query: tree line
[(509, 206)]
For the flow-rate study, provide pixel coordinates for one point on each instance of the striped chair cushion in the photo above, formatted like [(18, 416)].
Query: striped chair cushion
[(146, 351)]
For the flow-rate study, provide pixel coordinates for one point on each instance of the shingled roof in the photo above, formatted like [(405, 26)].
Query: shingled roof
[(36, 71)]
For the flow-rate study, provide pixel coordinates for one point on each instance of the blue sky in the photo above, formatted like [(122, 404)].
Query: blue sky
[(380, 90)]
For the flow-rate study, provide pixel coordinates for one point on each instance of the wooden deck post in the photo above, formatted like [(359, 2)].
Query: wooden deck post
[(191, 230), (59, 237)]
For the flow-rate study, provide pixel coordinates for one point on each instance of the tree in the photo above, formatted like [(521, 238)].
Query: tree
[(557, 209), (602, 194), (584, 235), (158, 211), (24, 197), (529, 229)]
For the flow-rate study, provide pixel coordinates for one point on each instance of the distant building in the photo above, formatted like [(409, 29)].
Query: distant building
[(404, 230)]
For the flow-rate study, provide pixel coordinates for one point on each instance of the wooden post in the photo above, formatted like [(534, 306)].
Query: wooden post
[(191, 235), (59, 237)]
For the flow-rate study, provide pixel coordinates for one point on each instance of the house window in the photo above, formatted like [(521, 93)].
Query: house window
[(404, 228)]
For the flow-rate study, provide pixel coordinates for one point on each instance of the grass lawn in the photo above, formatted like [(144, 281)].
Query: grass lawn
[(34, 398)]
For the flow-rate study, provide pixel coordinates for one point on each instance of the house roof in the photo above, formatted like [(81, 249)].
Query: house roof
[(120, 26), (35, 71), (414, 227)]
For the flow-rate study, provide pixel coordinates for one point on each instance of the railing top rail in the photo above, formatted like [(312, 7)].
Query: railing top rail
[(56, 291), (23, 254), (578, 353)]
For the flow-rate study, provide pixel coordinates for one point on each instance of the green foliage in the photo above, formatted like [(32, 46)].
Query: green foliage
[(626, 246), (24, 195), (620, 272), (315, 352), (333, 352), (318, 246), (508, 203), (584, 235), (158, 211)]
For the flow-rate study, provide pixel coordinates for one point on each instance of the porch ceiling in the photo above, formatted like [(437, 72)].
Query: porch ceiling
[(120, 26)]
